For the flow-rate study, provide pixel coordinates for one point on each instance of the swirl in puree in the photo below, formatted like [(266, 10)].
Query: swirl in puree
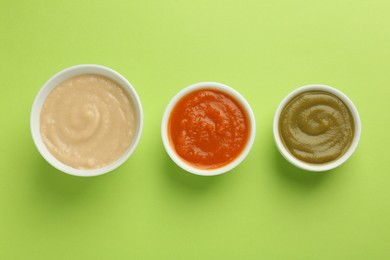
[(87, 121), (316, 127)]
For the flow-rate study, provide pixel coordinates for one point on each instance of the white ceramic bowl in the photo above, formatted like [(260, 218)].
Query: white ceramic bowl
[(309, 166), (55, 81), (171, 151)]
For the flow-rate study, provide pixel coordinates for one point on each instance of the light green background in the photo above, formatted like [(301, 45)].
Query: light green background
[(151, 209)]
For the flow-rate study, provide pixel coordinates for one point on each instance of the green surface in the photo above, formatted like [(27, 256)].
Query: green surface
[(151, 209)]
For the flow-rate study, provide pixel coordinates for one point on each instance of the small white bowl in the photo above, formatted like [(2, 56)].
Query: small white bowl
[(55, 81), (171, 151), (308, 166)]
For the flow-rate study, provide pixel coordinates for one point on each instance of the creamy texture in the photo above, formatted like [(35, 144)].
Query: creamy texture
[(87, 121), (316, 127)]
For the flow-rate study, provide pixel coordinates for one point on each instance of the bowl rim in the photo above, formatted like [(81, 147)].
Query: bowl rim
[(308, 166), (53, 82), (232, 93)]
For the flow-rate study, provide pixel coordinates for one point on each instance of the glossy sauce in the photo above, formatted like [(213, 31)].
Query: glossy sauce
[(87, 121), (316, 127), (208, 128)]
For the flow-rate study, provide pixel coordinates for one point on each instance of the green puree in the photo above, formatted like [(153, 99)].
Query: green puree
[(316, 127)]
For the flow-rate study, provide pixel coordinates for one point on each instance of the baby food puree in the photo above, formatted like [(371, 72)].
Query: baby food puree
[(88, 121), (316, 127), (208, 128)]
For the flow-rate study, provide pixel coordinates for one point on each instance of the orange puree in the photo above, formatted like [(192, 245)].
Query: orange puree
[(208, 128)]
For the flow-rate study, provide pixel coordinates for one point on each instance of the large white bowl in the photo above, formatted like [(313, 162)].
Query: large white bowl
[(55, 81), (171, 151), (308, 166)]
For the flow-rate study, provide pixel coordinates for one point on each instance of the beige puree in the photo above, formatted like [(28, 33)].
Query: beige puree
[(88, 121)]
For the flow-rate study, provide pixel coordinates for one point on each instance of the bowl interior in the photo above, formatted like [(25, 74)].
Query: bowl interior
[(166, 139), (317, 167), (55, 81)]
